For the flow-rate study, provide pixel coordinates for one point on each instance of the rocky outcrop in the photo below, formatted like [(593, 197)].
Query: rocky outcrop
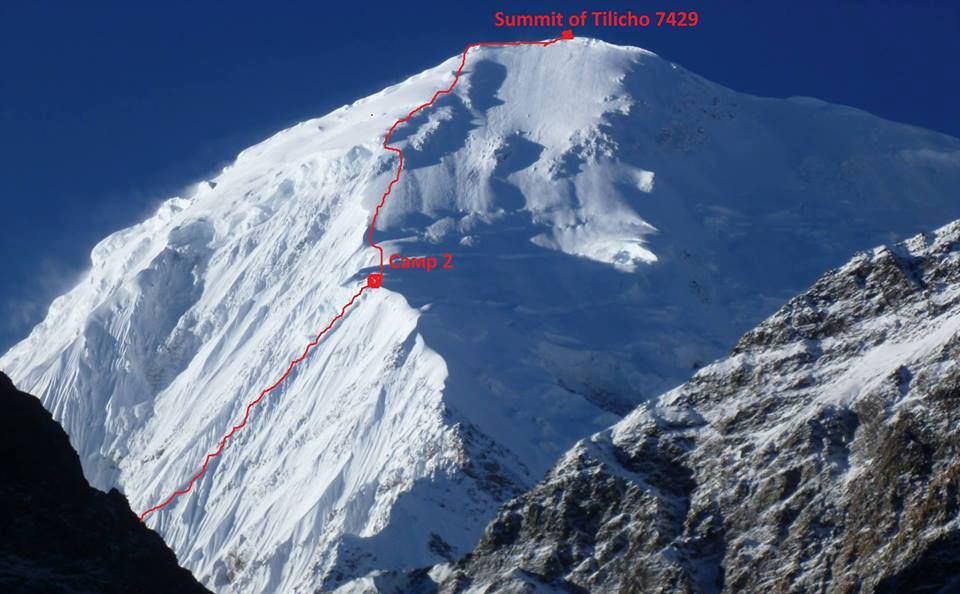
[(822, 456), (57, 533)]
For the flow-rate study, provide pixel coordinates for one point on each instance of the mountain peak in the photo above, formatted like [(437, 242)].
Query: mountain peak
[(612, 223)]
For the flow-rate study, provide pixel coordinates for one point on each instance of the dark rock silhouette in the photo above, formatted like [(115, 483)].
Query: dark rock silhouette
[(59, 534)]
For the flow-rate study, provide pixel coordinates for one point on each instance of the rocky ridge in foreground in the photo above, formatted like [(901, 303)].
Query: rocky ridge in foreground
[(59, 534), (821, 456)]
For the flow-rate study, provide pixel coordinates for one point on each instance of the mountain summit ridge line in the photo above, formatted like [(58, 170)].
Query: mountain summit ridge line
[(373, 281)]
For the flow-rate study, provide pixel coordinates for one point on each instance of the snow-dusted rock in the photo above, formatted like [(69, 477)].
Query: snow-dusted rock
[(821, 456)]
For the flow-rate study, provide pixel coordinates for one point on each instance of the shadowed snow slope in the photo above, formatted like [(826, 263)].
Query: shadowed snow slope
[(614, 221)]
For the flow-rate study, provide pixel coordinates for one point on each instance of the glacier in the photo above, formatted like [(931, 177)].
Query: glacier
[(616, 222)]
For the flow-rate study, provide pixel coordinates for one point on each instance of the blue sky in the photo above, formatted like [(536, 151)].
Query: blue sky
[(106, 108)]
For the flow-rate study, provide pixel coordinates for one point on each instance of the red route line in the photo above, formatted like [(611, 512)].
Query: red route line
[(371, 282)]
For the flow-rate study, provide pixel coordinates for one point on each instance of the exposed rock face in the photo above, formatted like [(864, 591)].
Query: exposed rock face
[(58, 534), (822, 456)]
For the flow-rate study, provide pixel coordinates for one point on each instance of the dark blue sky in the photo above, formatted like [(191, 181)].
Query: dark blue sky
[(107, 108)]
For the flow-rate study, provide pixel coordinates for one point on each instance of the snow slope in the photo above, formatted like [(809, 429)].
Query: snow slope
[(615, 221)]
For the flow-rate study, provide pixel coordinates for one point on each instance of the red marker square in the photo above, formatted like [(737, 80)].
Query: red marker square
[(374, 280), (568, 34)]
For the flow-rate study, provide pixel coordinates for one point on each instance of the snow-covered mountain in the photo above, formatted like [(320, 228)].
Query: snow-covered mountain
[(614, 222), (821, 456)]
